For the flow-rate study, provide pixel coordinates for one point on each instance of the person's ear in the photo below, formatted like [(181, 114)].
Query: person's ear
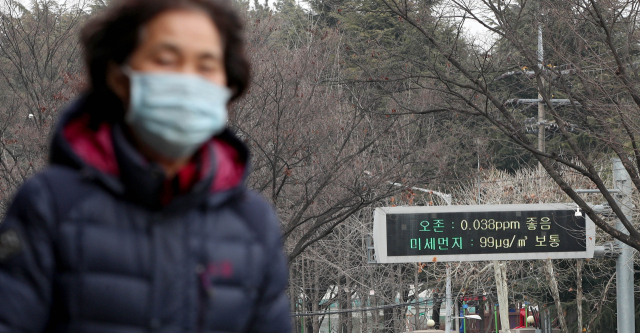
[(118, 82)]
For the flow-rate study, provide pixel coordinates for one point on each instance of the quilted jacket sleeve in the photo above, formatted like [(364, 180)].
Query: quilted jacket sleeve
[(26, 261), (272, 311)]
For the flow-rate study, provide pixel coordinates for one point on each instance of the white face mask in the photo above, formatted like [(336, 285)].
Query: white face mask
[(174, 114)]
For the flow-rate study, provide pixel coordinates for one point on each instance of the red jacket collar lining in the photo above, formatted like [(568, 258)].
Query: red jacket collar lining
[(96, 149)]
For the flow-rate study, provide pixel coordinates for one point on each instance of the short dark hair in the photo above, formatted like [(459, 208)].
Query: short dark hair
[(113, 35)]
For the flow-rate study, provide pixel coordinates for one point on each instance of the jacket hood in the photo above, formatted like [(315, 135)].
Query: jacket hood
[(86, 139)]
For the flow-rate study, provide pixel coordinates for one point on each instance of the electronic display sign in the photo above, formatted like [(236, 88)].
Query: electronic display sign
[(486, 232)]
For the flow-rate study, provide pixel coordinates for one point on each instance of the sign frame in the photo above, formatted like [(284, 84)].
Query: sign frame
[(380, 234)]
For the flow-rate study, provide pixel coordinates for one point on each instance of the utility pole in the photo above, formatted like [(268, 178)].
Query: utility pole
[(624, 263), (624, 253)]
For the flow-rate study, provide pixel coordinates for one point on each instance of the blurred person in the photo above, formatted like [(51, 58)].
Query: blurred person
[(142, 221)]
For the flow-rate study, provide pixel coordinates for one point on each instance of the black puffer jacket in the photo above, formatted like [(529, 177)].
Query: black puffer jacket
[(100, 242)]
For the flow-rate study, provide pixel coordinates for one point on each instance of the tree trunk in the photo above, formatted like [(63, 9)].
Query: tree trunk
[(304, 298), (388, 321), (553, 285), (480, 312), (342, 302), (503, 300), (579, 293), (416, 297), (403, 297), (315, 306), (435, 313), (375, 314), (363, 315), (489, 326), (293, 301), (595, 313), (456, 313), (349, 317)]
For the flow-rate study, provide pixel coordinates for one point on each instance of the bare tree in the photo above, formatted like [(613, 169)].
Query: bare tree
[(39, 71), (319, 155), (539, 282), (587, 82)]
